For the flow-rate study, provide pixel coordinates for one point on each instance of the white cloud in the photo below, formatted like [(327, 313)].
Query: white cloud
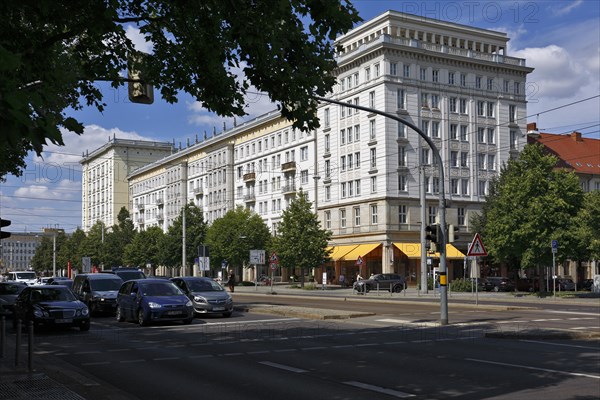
[(139, 40), (562, 11)]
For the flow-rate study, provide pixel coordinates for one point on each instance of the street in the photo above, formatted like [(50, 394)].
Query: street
[(397, 352)]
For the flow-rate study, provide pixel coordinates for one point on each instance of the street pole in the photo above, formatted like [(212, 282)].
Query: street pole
[(424, 266), (183, 266), (442, 200), (54, 254)]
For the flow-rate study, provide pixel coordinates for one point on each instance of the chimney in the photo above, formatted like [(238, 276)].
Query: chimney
[(532, 129), (576, 136)]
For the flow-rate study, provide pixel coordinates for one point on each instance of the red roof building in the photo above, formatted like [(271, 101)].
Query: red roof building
[(575, 152)]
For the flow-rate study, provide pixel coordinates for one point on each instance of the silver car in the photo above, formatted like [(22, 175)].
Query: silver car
[(208, 296)]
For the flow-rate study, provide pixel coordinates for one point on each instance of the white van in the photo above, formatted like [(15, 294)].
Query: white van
[(26, 277)]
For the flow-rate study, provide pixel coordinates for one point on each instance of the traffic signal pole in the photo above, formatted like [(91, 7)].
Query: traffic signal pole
[(442, 201)]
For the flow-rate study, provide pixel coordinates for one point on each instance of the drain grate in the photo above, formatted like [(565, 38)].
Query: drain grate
[(36, 387)]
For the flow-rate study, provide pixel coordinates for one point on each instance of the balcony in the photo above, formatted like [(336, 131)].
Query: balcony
[(250, 177), (198, 191), (140, 206), (288, 166), (160, 201), (289, 189), (140, 221), (250, 198)]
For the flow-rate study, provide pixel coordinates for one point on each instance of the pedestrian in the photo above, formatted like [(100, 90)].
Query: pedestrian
[(231, 281), (342, 280), (358, 277)]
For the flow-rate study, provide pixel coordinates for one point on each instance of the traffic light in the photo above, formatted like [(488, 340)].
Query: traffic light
[(433, 233), (3, 223), (452, 236), (139, 91)]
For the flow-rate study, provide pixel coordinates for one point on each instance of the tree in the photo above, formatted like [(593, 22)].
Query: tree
[(231, 237), (70, 250), (122, 233), (172, 242), (93, 244), (145, 248), (43, 259), (53, 52), (586, 228), (531, 203), (300, 242)]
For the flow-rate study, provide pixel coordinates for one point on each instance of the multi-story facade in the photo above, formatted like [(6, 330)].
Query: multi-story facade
[(454, 82), (105, 189), (17, 251), (361, 169)]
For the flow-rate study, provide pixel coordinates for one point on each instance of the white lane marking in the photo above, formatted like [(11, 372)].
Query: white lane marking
[(314, 348), (535, 368), (403, 321), (96, 363), (571, 312), (559, 344), (87, 352), (202, 356), (373, 388), (166, 358), (587, 327), (580, 318), (281, 366), (258, 352)]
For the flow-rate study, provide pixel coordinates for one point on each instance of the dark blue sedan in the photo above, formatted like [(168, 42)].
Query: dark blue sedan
[(153, 300)]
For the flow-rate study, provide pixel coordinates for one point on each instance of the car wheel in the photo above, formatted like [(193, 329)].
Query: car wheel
[(119, 315), (188, 321), (85, 326), (227, 314), (496, 289), (367, 288), (141, 318), (398, 289)]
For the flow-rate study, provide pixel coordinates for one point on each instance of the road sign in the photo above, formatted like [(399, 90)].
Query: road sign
[(273, 266), (274, 259), (359, 261), (554, 246), (257, 257), (477, 248)]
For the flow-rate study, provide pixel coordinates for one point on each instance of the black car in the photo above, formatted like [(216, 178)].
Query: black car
[(128, 274), (51, 305), (499, 284), (9, 291), (59, 280), (391, 282)]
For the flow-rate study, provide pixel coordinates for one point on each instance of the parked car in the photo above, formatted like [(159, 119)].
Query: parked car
[(51, 305), (27, 277), (59, 280), (42, 280), (9, 291), (151, 300), (208, 296), (128, 274), (528, 285), (499, 284), (565, 284), (392, 282), (98, 291), (586, 284)]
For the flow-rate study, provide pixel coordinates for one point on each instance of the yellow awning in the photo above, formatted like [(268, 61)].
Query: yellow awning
[(413, 250), (340, 251), (361, 250)]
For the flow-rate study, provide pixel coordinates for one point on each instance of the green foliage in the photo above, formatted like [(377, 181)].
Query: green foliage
[(461, 285), (300, 241), (586, 228), (52, 52), (530, 204), (171, 244), (145, 248), (232, 236), (70, 251)]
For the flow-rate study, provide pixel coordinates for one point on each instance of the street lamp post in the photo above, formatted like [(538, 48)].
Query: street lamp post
[(442, 201), (54, 254)]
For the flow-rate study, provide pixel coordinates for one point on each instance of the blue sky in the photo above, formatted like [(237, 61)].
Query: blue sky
[(560, 39)]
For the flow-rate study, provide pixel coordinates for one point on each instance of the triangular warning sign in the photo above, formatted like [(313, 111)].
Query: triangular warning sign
[(476, 248)]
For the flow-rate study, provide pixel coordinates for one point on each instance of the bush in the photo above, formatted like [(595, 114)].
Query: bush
[(461, 285)]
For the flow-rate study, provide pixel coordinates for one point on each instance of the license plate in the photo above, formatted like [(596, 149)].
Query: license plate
[(173, 312), (63, 320), (218, 308)]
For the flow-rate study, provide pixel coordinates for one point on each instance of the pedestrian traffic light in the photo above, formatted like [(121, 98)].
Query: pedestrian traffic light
[(433, 233), (3, 223), (452, 236), (139, 90)]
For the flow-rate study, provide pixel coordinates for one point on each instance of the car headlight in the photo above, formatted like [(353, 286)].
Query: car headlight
[(199, 299), (154, 305), (38, 313), (83, 311), (189, 304)]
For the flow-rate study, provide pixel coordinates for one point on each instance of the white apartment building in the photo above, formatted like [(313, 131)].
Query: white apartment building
[(361, 169), (458, 85), (104, 185)]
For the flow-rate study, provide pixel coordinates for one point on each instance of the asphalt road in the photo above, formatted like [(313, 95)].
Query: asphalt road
[(396, 350)]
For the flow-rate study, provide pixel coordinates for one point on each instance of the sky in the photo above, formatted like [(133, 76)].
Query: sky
[(560, 39)]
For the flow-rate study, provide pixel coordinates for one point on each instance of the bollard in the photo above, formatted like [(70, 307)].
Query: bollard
[(2, 336), (30, 355), (18, 343)]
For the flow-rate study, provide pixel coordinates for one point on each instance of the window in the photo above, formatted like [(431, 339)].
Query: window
[(463, 80), (327, 219), (402, 213), (481, 108), (406, 71), (490, 109), (432, 214), (483, 188), (453, 131), (304, 177), (357, 159), (454, 158), (327, 141), (349, 82), (373, 214), (425, 160), (356, 103), (436, 184), (343, 163), (373, 158), (423, 73), (516, 87), (461, 215), (401, 130), (478, 82), (491, 162), (356, 79), (377, 70), (350, 137), (356, 133), (454, 186), (462, 106), (424, 99), (513, 139), (435, 101), (452, 104), (491, 136), (481, 135), (402, 183), (344, 188), (343, 84), (356, 216), (342, 112), (450, 78), (343, 218), (464, 159), (435, 129), (304, 153), (490, 84), (350, 189), (327, 193), (372, 99), (481, 158), (506, 86), (435, 75), (373, 184), (401, 99), (350, 158), (393, 69), (464, 186), (464, 136), (372, 131), (402, 156), (342, 137), (425, 127), (357, 186), (512, 113)]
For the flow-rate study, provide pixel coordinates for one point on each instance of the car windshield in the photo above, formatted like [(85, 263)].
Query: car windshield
[(129, 275), (11, 289), (160, 289), (205, 286), (58, 294), (105, 285), (25, 275)]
